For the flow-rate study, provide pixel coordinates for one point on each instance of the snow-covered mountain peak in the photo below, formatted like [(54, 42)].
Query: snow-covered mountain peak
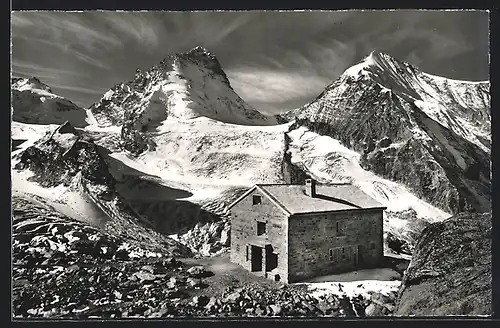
[(387, 71), (200, 51), (182, 86), (461, 106), (29, 83), (34, 102), (391, 112)]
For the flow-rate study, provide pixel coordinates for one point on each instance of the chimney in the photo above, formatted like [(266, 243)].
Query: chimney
[(310, 187)]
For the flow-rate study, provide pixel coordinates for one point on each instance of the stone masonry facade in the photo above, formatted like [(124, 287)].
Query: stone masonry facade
[(326, 243), (244, 218)]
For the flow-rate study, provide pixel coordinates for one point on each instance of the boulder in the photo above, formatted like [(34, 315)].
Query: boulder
[(276, 309), (196, 271), (212, 304), (233, 298), (172, 293), (194, 282), (145, 276), (375, 310), (200, 301), (380, 299)]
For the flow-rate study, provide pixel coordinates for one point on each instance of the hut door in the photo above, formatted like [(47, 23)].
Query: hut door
[(271, 259), (360, 254), (256, 259)]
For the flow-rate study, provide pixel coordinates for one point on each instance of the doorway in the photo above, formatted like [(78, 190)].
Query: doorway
[(271, 259), (256, 258), (361, 250)]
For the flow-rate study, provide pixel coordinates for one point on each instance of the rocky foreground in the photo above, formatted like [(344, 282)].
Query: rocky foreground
[(63, 268), (450, 271)]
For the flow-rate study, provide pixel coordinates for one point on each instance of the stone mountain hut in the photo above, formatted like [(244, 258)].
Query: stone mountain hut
[(289, 233)]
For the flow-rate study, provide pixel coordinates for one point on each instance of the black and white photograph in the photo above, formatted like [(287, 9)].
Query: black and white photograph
[(250, 164)]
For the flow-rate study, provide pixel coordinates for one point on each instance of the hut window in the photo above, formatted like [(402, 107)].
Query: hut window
[(261, 228), (257, 200), (340, 228)]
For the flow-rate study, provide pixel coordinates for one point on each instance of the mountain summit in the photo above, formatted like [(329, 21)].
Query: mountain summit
[(33, 82), (430, 133), (460, 106), (181, 86), (34, 102)]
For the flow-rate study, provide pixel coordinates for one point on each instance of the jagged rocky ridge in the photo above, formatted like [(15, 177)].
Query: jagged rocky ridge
[(450, 271), (429, 133), (34, 102), (69, 157)]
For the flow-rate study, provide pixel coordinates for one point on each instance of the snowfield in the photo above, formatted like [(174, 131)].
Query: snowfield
[(65, 200), (29, 132), (353, 288), (207, 156), (198, 160)]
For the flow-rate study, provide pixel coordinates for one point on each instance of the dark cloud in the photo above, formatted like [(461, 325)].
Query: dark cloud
[(275, 60)]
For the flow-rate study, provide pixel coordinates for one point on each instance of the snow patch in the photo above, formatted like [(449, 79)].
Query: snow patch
[(64, 199), (352, 289), (354, 283)]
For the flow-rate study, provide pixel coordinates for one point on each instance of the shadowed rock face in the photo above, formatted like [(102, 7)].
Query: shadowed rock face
[(450, 271), (63, 154)]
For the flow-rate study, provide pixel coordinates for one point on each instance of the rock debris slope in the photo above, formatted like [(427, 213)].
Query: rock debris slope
[(63, 268), (429, 133)]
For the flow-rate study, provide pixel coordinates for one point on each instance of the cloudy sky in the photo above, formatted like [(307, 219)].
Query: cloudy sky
[(274, 60)]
